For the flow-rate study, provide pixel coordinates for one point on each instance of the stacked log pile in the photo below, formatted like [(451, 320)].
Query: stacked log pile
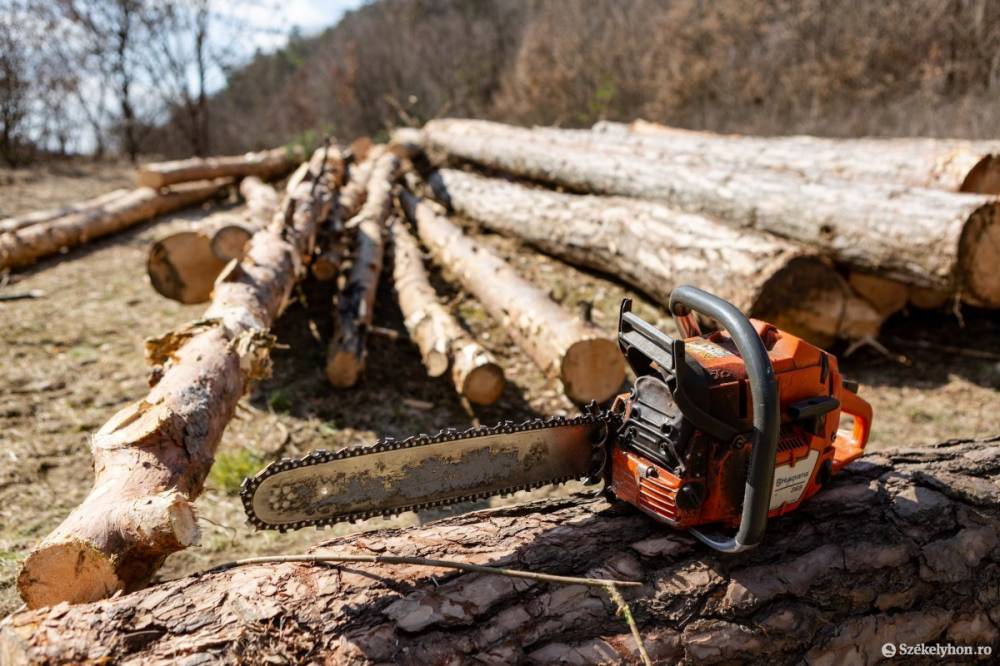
[(929, 239)]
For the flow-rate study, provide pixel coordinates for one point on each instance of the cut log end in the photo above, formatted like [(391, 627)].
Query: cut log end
[(72, 571), (887, 296), (183, 267), (230, 242), (984, 177), (343, 368), (979, 252), (929, 299), (592, 369), (435, 361), (484, 384)]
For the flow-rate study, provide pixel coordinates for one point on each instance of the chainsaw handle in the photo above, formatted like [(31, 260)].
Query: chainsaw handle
[(766, 413), (850, 447)]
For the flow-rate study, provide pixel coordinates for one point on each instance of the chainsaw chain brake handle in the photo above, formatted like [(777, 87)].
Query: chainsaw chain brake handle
[(685, 301)]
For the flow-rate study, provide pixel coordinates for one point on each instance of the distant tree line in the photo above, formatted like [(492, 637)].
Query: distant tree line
[(828, 67)]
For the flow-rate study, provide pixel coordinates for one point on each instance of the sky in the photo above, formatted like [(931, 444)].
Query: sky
[(309, 16)]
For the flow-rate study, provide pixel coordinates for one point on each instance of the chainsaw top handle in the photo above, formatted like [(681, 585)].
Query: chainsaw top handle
[(766, 412)]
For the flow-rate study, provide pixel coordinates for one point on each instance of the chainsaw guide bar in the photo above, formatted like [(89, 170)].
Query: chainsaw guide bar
[(389, 477)]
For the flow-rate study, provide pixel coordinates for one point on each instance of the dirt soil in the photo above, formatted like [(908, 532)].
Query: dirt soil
[(73, 357)]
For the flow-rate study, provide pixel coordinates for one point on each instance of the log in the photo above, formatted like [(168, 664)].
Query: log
[(926, 238), (886, 296), (151, 458), (28, 245), (655, 248), (580, 355), (442, 341), (184, 265), (333, 244), (9, 224), (345, 357), (265, 164), (901, 548), (946, 164)]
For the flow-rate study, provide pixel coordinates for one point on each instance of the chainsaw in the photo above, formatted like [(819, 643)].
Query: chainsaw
[(719, 432)]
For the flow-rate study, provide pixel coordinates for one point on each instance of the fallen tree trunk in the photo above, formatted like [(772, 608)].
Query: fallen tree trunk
[(578, 353), (655, 248), (901, 548), (927, 238), (265, 164), (945, 164), (345, 357), (441, 340), (184, 265), (152, 457), (28, 245), (9, 224)]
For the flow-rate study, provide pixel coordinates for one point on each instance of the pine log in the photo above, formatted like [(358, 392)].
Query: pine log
[(886, 296), (947, 164), (9, 224), (184, 265), (901, 548), (28, 245), (655, 248), (345, 358), (152, 457), (929, 299), (333, 244), (577, 353), (926, 238), (442, 341), (265, 164)]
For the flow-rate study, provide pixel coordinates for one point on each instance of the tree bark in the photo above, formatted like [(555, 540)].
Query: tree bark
[(152, 457), (655, 248), (25, 247), (901, 548), (578, 353), (184, 265), (10, 224), (265, 164), (345, 358), (945, 164), (441, 339), (942, 240)]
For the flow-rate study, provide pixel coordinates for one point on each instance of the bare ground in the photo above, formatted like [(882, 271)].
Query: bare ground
[(73, 357)]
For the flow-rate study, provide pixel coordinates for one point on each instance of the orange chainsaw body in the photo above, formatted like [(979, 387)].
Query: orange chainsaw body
[(705, 484)]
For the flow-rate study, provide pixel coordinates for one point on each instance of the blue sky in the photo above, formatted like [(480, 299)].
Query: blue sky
[(276, 18)]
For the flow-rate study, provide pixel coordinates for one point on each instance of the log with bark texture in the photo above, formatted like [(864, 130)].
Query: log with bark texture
[(265, 164), (578, 353), (945, 164), (10, 224), (28, 245), (345, 357), (901, 548), (928, 238), (655, 248), (441, 339), (332, 244), (152, 457), (184, 265)]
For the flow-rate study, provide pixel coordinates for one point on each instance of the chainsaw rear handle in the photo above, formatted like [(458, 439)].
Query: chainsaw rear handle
[(848, 447), (766, 413)]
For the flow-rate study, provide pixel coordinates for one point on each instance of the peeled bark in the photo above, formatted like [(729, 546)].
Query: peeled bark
[(28, 245), (152, 457), (265, 164), (927, 238), (345, 358), (655, 248), (184, 265), (442, 341), (10, 224), (901, 548), (577, 353)]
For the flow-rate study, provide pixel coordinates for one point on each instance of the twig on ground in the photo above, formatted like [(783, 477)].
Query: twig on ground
[(626, 612)]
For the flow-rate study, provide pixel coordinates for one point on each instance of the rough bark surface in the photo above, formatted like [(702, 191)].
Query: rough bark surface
[(655, 248), (9, 224), (28, 245), (442, 341), (345, 358), (928, 238), (901, 548), (152, 457), (265, 164), (577, 353)]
